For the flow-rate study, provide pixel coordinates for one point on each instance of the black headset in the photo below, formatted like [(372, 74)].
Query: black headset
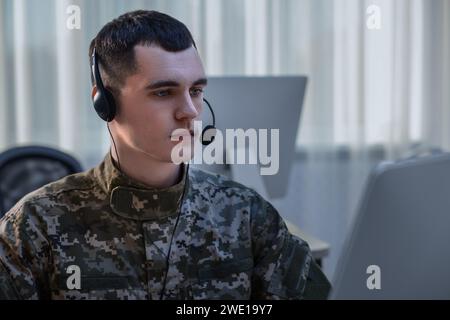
[(105, 105)]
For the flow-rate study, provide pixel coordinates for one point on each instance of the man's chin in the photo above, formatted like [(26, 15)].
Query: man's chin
[(181, 152)]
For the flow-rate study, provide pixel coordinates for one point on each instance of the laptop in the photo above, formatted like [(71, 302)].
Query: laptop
[(399, 246)]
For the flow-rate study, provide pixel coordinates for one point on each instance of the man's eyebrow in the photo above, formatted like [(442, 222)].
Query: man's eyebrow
[(171, 83), (201, 81), (162, 83)]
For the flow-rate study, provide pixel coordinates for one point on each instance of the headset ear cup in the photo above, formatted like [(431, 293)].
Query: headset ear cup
[(100, 105), (105, 105), (208, 135), (111, 105)]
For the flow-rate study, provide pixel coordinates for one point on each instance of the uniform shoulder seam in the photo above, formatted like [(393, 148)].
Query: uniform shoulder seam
[(32, 199)]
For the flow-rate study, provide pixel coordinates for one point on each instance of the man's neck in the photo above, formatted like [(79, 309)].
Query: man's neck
[(144, 169)]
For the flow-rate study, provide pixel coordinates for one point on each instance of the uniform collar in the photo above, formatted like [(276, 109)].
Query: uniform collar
[(134, 200)]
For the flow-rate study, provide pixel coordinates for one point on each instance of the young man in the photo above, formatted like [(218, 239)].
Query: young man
[(139, 226)]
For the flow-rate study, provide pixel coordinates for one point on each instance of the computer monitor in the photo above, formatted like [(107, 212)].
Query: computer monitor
[(259, 103), (399, 245)]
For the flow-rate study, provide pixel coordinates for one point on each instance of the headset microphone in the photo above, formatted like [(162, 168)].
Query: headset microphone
[(209, 130)]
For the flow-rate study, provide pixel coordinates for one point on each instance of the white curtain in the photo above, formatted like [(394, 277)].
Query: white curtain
[(387, 86), (370, 91), (391, 84)]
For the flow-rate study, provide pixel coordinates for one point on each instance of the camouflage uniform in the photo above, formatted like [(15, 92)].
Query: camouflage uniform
[(229, 242)]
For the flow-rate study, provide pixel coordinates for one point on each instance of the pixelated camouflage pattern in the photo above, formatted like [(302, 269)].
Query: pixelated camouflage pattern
[(229, 243)]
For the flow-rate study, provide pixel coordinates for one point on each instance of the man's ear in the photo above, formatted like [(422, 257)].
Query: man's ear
[(93, 91)]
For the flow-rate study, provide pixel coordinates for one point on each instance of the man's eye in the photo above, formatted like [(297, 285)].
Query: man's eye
[(161, 93), (196, 92)]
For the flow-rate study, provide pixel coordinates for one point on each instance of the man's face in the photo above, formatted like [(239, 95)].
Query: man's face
[(164, 94)]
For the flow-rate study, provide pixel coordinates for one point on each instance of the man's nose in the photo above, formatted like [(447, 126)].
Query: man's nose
[(187, 108)]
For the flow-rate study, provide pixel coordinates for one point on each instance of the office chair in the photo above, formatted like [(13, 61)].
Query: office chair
[(25, 169)]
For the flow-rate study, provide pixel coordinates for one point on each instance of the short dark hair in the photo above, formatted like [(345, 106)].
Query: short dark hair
[(115, 42)]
